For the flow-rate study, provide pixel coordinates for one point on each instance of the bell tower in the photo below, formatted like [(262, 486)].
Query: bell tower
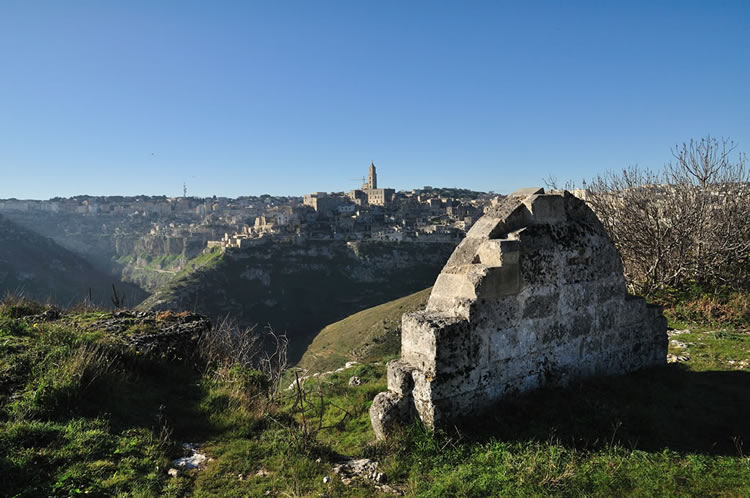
[(372, 177)]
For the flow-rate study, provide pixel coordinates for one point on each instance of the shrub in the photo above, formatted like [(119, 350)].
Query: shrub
[(689, 223)]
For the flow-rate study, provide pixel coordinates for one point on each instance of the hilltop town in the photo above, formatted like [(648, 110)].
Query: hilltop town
[(187, 225)]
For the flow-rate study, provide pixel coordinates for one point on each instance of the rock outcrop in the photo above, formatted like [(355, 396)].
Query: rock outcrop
[(533, 296)]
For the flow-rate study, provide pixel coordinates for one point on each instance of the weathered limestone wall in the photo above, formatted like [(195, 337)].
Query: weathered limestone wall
[(533, 296)]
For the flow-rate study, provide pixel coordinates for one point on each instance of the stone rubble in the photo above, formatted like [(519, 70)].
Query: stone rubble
[(347, 366), (365, 469)]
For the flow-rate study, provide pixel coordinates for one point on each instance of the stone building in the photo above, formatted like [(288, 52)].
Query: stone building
[(380, 196), (370, 194), (372, 178), (534, 295), (323, 203)]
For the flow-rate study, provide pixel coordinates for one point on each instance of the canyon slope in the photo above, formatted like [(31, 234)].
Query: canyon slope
[(299, 289), (38, 268)]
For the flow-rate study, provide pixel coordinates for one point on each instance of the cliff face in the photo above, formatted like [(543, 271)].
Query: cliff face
[(122, 248), (41, 269), (299, 289)]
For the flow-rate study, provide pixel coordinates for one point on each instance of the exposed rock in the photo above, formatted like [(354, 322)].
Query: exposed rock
[(302, 379), (680, 344), (362, 468), (193, 460), (673, 332), (533, 296), (50, 315), (740, 364), (165, 334), (673, 358), (355, 381)]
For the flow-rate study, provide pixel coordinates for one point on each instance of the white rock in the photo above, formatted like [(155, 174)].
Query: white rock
[(192, 461)]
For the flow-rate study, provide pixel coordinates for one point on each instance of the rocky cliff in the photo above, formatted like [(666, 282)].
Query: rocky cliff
[(299, 289)]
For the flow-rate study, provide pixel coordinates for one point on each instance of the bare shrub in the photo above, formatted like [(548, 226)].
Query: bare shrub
[(689, 224), (273, 363), (227, 349), (228, 344), (118, 299)]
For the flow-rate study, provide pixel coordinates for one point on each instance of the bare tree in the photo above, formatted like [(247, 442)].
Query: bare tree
[(689, 223)]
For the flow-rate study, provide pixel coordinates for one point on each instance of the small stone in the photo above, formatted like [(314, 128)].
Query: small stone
[(326, 480), (672, 358), (173, 472), (355, 381), (672, 333)]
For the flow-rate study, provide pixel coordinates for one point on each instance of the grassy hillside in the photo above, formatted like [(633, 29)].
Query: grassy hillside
[(87, 407), (40, 269), (370, 335), (84, 412)]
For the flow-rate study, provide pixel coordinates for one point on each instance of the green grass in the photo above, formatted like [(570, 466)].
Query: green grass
[(369, 335), (715, 309), (204, 261), (79, 414)]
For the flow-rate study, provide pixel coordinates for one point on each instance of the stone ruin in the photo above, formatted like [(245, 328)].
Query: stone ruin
[(533, 296)]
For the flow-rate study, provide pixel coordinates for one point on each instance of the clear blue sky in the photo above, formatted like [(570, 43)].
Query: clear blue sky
[(241, 98)]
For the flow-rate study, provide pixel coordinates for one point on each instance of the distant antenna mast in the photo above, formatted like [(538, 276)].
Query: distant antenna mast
[(184, 189)]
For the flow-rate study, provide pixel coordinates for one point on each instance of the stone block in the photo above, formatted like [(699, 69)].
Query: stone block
[(546, 208), (399, 375)]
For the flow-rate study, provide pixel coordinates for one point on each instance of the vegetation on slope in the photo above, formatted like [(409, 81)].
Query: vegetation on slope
[(370, 335), (83, 412)]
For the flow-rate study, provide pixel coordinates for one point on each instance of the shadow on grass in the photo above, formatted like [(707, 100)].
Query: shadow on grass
[(152, 393), (667, 407)]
